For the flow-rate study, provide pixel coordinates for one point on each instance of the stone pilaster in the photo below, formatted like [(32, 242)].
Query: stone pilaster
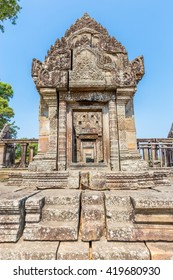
[(121, 102), (130, 159), (114, 149), (50, 97), (47, 155), (43, 140), (62, 135)]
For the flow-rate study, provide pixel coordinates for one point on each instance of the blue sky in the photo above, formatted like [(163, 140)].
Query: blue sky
[(143, 27)]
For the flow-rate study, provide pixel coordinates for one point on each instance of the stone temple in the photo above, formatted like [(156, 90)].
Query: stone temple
[(87, 194)]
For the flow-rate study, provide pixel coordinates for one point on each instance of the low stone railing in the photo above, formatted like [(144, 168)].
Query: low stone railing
[(158, 152), (7, 152)]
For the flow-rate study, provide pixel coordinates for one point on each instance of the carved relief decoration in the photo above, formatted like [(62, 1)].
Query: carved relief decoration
[(88, 56), (87, 123)]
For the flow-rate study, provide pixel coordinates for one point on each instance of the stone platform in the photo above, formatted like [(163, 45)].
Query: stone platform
[(86, 224)]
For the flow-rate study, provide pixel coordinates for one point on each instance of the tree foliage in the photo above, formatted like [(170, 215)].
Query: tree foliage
[(6, 112), (8, 10)]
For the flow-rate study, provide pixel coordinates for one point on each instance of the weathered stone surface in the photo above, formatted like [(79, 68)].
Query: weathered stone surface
[(104, 250), (29, 251), (154, 218), (73, 251), (33, 208), (84, 180), (8, 219), (160, 250), (144, 232), (60, 213), (157, 201), (60, 217), (134, 180), (97, 180), (92, 215), (118, 207), (13, 204), (92, 230), (52, 231), (62, 197)]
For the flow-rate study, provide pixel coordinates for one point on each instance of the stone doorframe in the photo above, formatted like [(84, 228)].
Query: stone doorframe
[(102, 107)]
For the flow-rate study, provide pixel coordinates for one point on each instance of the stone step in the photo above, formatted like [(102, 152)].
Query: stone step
[(92, 198), (119, 214), (92, 230), (115, 200), (60, 213), (9, 219), (104, 250), (52, 231), (119, 231), (138, 232), (62, 197), (92, 213), (24, 250), (75, 250)]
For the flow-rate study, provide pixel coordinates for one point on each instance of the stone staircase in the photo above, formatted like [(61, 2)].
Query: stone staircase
[(144, 216), (60, 218), (119, 215), (92, 215)]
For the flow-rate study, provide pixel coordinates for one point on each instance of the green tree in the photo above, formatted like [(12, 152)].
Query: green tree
[(8, 10), (6, 112)]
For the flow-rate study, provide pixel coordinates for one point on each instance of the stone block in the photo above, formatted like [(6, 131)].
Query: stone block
[(92, 198), (138, 232), (154, 218), (62, 197), (84, 180), (158, 201), (104, 250), (61, 213), (73, 251), (92, 215), (160, 250), (9, 219), (24, 250), (97, 180), (92, 230), (51, 231), (33, 218)]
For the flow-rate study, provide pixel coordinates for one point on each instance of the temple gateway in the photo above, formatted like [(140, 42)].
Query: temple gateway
[(86, 86), (87, 194)]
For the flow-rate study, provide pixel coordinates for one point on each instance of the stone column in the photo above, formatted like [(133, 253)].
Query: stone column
[(23, 154), (62, 135), (113, 132), (31, 153), (2, 154)]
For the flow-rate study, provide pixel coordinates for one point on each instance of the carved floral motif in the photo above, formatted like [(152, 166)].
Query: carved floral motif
[(85, 68)]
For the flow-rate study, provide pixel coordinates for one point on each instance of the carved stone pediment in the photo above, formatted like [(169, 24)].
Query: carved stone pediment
[(85, 70), (87, 57)]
